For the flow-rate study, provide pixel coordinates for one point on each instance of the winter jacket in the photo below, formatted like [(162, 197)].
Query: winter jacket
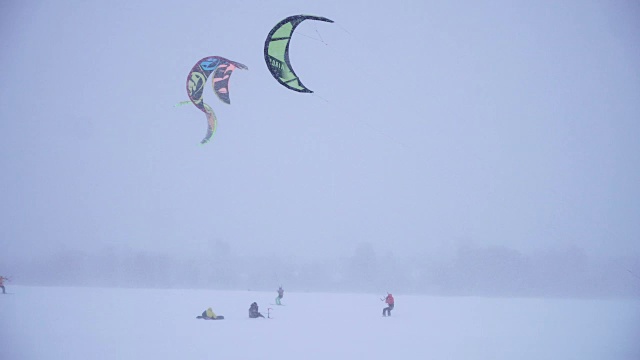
[(389, 300), (210, 314), (253, 311)]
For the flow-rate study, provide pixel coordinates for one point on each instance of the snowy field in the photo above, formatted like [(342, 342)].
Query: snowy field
[(97, 323)]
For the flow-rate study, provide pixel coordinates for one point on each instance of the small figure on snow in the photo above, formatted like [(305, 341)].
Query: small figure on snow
[(210, 315), (280, 295), (253, 311), (2, 279), (390, 302)]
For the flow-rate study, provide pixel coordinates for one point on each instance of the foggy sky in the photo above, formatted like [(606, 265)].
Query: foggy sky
[(433, 124)]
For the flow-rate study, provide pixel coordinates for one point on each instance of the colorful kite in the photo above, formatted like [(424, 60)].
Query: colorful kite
[(276, 51), (197, 78)]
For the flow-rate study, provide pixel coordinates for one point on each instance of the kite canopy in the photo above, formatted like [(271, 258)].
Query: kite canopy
[(197, 78), (276, 51)]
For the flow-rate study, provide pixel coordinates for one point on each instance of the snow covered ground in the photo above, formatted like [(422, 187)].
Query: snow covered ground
[(98, 323)]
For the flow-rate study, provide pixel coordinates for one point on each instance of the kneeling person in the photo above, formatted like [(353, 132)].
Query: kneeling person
[(210, 315)]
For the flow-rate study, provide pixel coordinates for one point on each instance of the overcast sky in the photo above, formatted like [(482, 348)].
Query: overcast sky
[(433, 124)]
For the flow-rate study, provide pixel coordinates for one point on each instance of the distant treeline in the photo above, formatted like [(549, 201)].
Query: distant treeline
[(472, 271)]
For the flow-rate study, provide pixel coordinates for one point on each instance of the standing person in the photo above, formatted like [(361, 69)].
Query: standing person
[(2, 279), (390, 302), (280, 295)]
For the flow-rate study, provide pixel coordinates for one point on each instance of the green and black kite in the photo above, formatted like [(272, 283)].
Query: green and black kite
[(276, 51)]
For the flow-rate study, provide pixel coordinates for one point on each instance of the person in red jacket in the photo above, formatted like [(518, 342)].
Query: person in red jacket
[(390, 302), (2, 279)]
